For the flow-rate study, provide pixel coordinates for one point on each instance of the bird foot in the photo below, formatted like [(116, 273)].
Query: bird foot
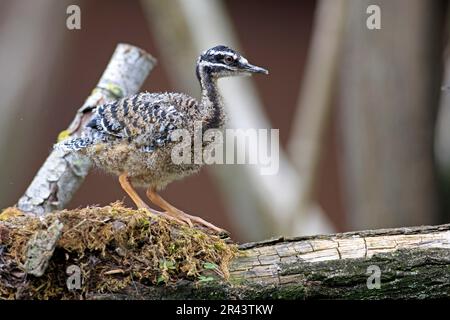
[(190, 220), (180, 215), (183, 218), (165, 215)]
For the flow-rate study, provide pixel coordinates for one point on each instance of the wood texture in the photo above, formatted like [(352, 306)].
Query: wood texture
[(414, 263)]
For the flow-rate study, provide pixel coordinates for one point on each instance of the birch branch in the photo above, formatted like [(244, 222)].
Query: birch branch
[(61, 174)]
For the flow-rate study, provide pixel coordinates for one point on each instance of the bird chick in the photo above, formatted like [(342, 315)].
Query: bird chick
[(132, 137)]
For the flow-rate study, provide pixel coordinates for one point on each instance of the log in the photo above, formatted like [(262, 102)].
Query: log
[(115, 249), (414, 263), (61, 174)]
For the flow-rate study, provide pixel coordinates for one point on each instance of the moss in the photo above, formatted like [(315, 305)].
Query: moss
[(9, 213), (63, 135), (114, 247)]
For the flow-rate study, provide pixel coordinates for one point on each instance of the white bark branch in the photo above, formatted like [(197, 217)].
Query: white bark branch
[(61, 174)]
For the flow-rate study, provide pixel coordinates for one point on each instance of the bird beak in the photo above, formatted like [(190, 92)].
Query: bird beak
[(255, 69)]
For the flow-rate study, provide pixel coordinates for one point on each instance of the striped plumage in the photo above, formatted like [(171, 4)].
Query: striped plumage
[(131, 137)]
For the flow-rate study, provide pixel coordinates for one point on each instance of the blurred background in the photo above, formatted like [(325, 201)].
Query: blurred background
[(364, 122)]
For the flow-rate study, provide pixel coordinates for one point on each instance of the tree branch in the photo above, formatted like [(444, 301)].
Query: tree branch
[(61, 174)]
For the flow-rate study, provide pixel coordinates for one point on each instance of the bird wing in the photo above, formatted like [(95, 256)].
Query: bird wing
[(146, 118)]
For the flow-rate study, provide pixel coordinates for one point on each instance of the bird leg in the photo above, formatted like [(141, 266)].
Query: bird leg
[(177, 213), (128, 187)]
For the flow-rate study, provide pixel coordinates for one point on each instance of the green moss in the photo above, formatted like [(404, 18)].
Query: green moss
[(114, 246), (115, 90)]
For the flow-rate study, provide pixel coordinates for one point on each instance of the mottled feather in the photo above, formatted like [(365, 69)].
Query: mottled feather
[(133, 135), (146, 119)]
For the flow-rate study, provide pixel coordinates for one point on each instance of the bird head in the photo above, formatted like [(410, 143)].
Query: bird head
[(222, 61)]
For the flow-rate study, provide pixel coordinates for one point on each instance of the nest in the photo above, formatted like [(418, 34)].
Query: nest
[(113, 248)]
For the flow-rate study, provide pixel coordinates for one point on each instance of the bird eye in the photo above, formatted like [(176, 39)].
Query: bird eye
[(228, 59)]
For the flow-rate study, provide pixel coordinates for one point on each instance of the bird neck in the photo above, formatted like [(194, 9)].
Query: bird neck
[(211, 103)]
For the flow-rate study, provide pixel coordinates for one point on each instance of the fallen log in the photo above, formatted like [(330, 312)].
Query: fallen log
[(401, 263), (117, 248)]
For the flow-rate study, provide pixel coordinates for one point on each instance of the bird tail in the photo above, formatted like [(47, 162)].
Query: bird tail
[(73, 145)]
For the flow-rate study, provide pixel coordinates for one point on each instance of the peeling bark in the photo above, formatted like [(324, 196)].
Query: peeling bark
[(40, 249), (414, 264), (61, 174)]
